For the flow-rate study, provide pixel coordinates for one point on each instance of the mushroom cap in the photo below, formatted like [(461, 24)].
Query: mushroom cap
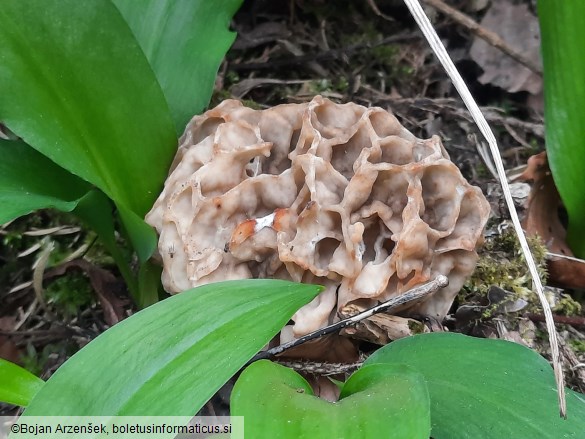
[(334, 194)]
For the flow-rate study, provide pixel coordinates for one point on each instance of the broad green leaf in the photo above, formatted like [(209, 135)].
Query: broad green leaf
[(76, 86), (185, 41), (17, 385), (482, 388), (563, 40), (30, 181), (171, 357), (377, 401)]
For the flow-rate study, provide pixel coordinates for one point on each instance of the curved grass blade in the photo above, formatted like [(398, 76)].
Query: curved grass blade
[(30, 181), (170, 358)]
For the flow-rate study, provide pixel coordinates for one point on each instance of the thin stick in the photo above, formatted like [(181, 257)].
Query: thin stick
[(326, 55), (377, 11), (486, 35), (411, 295), (427, 28), (321, 368)]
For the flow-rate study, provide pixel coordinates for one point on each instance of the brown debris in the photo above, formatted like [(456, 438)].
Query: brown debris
[(506, 72), (8, 349)]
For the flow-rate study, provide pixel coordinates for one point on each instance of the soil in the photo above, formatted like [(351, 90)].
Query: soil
[(288, 51)]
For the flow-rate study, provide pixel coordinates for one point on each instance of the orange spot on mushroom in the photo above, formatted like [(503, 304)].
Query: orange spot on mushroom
[(281, 219), (242, 232)]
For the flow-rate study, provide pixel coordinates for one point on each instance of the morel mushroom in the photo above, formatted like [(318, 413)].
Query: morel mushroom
[(338, 195)]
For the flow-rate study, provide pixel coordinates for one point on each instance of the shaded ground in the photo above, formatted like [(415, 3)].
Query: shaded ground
[(289, 51)]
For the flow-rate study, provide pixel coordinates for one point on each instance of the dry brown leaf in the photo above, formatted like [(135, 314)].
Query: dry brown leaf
[(542, 219), (516, 25)]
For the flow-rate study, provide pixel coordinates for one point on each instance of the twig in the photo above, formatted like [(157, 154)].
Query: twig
[(575, 321), (321, 368), (487, 35), (483, 151), (377, 11), (450, 105), (411, 295), (39, 270), (328, 54), (517, 137), (439, 49), (535, 128)]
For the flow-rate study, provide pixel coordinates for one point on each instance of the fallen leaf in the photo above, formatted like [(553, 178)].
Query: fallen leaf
[(542, 219), (542, 216), (518, 27)]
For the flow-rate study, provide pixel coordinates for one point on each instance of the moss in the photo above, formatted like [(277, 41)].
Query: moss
[(219, 96), (367, 32), (339, 85), (252, 104), (568, 306), (385, 54), (482, 171), (34, 361), (69, 293), (320, 86), (578, 346), (416, 327), (501, 263)]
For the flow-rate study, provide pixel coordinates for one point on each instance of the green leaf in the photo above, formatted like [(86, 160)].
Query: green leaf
[(482, 388), (170, 358), (149, 283), (563, 37), (377, 401), (141, 235), (185, 41), (30, 181), (17, 385), (96, 211), (76, 86)]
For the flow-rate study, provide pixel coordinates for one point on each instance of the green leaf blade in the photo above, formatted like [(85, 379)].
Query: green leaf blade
[(170, 358), (76, 86), (30, 181), (377, 401), (563, 33), (482, 388), (185, 42), (17, 385)]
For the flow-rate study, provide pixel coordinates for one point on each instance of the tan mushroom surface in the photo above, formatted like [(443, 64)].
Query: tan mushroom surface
[(334, 194)]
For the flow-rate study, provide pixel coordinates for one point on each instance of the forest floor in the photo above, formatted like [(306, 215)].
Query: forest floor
[(372, 53)]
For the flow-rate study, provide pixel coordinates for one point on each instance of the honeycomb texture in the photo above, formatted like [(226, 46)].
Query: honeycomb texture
[(338, 195)]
